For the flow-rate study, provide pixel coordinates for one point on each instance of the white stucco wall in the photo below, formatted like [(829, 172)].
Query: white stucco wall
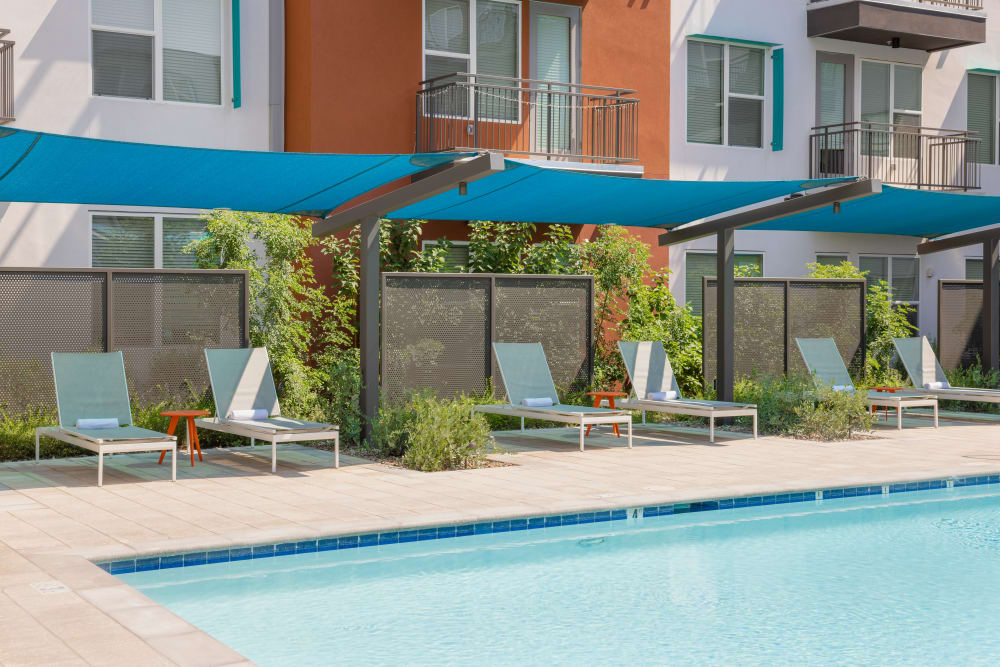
[(784, 22), (52, 93)]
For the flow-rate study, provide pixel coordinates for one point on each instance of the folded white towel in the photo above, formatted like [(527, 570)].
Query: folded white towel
[(99, 422), (661, 395), (937, 385), (849, 388), (543, 402), (257, 413)]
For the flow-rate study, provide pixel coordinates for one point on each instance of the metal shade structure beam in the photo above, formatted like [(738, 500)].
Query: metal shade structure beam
[(790, 205), (425, 184), (990, 240)]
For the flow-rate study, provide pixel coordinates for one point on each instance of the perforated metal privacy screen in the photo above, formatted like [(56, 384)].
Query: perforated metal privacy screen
[(437, 328), (960, 322), (161, 320), (770, 313)]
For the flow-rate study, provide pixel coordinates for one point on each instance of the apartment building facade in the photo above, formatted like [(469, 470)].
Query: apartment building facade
[(900, 90), (154, 71)]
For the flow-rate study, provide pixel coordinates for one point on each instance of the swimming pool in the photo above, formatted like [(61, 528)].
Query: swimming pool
[(906, 578)]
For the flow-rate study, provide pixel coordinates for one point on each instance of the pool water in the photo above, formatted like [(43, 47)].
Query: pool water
[(910, 578)]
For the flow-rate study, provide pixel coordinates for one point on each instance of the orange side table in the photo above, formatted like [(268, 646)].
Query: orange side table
[(891, 390), (610, 395), (192, 432)]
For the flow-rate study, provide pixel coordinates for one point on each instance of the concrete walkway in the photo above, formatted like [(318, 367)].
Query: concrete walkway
[(56, 607)]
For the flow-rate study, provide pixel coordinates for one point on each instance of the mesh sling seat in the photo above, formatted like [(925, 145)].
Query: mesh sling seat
[(91, 398), (650, 372), (242, 383), (927, 376), (525, 373), (823, 360)]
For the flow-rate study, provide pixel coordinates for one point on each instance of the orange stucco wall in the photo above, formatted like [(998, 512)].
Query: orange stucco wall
[(352, 68)]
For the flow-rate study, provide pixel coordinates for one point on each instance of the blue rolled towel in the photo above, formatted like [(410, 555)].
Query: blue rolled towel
[(542, 402), (99, 422)]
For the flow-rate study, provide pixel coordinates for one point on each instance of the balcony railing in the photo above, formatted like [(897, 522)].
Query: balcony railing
[(6, 78), (546, 119), (953, 4), (906, 155)]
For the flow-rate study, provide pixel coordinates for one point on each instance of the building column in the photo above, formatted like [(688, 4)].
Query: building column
[(725, 320), (368, 322), (991, 304)]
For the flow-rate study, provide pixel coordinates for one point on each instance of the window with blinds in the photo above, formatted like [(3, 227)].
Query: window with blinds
[(479, 37), (830, 260), (697, 265), (973, 269), (725, 94), (982, 115), (891, 102), (126, 39), (122, 241), (178, 233), (456, 258)]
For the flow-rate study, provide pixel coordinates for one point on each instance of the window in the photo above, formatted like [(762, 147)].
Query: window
[(480, 37), (890, 95), (457, 257), (902, 274), (982, 116), (143, 241), (725, 94), (973, 269), (831, 260), (158, 49), (697, 265)]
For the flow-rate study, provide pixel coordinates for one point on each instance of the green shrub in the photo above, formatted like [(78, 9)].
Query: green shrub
[(446, 436), (793, 406), (973, 376), (391, 430)]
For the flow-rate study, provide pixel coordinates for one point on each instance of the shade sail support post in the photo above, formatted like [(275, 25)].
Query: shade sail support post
[(991, 303), (726, 287), (368, 322)]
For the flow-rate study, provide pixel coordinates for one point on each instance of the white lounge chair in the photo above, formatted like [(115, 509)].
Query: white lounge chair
[(650, 373), (827, 367), (927, 376), (94, 410), (532, 393), (246, 403)]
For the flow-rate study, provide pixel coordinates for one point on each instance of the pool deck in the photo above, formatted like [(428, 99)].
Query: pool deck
[(58, 608)]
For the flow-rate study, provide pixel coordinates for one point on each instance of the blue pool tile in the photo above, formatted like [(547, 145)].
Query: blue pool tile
[(306, 547), (195, 558), (519, 524), (147, 564), (388, 538), (618, 515), (501, 526), (284, 548), (586, 517), (850, 492), (726, 504), (236, 553), (767, 500), (427, 534), (264, 551), (710, 505), (666, 510), (833, 493), (912, 486), (678, 508), (741, 502), (349, 542), (407, 536), (465, 529), (369, 540), (570, 519), (897, 488), (539, 521), (220, 556), (122, 566), (650, 511), (445, 532), (937, 484), (994, 479), (105, 566), (167, 562), (483, 528), (753, 501), (327, 544), (553, 521), (923, 486)]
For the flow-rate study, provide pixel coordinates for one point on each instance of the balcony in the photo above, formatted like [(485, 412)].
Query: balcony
[(525, 117), (6, 78), (927, 25), (904, 155)]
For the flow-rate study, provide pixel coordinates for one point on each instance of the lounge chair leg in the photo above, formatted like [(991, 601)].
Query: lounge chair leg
[(252, 442), (711, 428), (630, 433), (100, 469), (36, 441), (274, 456), (935, 415), (581, 434), (522, 423), (336, 450), (755, 426), (173, 464), (643, 417), (899, 417)]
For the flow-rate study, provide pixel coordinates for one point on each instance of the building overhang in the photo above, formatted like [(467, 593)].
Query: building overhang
[(907, 24)]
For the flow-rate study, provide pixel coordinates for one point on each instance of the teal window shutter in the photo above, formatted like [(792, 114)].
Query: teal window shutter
[(237, 79), (778, 100)]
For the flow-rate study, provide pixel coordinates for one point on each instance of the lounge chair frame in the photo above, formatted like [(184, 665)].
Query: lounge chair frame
[(970, 394), (875, 399), (681, 406)]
